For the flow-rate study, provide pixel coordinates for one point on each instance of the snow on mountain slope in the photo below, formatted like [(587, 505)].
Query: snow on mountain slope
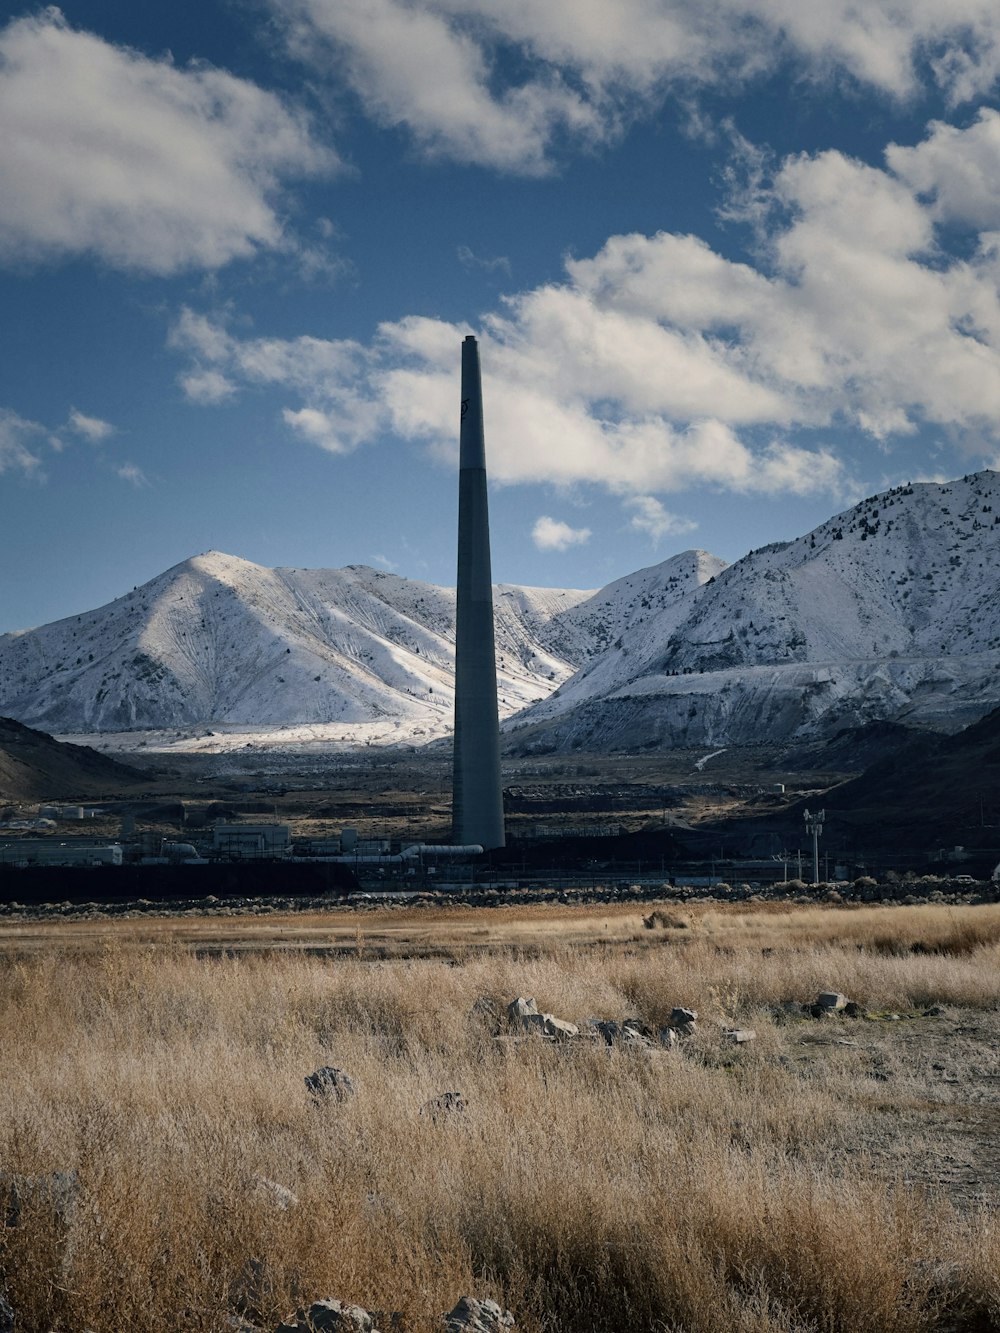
[(910, 571), (218, 639), (622, 628), (889, 610)]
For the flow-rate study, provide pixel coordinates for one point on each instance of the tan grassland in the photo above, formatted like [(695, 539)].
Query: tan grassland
[(829, 1177)]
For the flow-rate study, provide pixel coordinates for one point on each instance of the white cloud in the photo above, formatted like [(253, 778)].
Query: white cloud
[(582, 68), (658, 364), (470, 261), (412, 65), (318, 428), (91, 428), (15, 435), (206, 387), (650, 517), (551, 534), (342, 411), (131, 473), (145, 166), (958, 168)]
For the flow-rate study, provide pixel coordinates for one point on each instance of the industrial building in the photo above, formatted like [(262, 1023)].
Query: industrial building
[(252, 842), (49, 852)]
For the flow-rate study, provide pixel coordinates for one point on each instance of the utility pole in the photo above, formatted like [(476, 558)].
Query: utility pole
[(814, 825)]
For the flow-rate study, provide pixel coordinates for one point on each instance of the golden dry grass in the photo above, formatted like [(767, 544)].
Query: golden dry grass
[(585, 1187)]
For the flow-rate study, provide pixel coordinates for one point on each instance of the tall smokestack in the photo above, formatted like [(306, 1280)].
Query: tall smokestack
[(477, 796)]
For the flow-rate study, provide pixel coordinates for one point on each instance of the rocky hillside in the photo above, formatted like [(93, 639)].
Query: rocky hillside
[(34, 767), (890, 610)]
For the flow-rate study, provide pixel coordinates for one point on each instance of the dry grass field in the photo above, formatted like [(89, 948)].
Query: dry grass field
[(830, 1176)]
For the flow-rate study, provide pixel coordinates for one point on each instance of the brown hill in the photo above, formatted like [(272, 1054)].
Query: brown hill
[(930, 794), (933, 789), (34, 767)]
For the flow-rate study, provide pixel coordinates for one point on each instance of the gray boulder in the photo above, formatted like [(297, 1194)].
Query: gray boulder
[(329, 1316), (524, 1013), (330, 1083), (474, 1316), (629, 1032), (558, 1027), (683, 1021), (521, 1008), (831, 999)]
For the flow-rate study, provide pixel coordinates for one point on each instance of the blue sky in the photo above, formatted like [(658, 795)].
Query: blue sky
[(733, 264)]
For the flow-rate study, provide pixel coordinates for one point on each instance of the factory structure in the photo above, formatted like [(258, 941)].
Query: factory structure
[(229, 844)]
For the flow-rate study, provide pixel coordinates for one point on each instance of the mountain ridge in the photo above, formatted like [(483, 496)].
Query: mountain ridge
[(889, 611)]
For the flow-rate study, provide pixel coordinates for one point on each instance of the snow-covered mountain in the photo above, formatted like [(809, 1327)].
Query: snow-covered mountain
[(890, 610), (218, 639)]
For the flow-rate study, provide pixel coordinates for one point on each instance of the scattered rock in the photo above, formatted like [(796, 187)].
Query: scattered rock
[(520, 1009), (668, 1038), (558, 1027), (6, 1316), (443, 1106), (831, 999), (330, 1082), (854, 1010), (683, 1021), (474, 1316), (629, 1032), (525, 1012), (790, 1010), (739, 1036), (329, 1316)]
